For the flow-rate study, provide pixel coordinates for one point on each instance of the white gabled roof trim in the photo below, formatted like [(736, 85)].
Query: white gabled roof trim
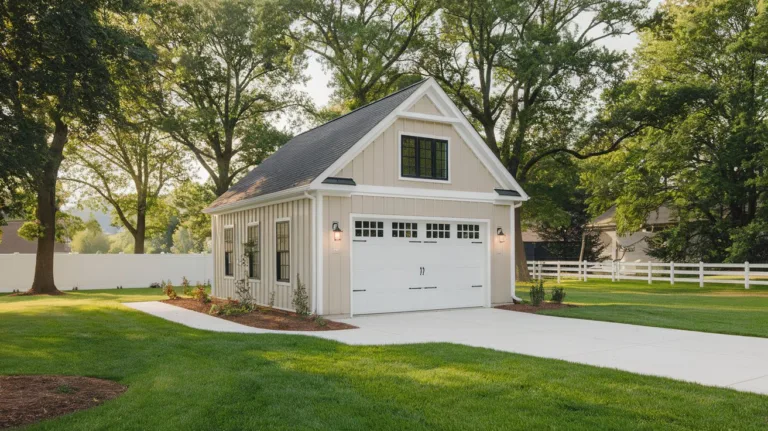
[(453, 116)]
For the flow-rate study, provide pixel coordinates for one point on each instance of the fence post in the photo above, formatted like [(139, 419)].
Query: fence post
[(618, 270), (650, 268), (672, 273), (585, 270), (558, 272), (613, 271), (701, 274), (541, 267), (746, 275)]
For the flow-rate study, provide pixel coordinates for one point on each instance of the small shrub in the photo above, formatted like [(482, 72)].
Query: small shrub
[(169, 291), (537, 293), (558, 294), (199, 294), (272, 299), (230, 308), (187, 288), (244, 296), (155, 285), (320, 321), (300, 298)]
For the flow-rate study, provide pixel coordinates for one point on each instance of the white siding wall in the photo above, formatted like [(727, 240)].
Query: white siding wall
[(300, 214)]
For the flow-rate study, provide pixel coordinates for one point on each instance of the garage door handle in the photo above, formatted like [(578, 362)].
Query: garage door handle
[(414, 288), (477, 285), (359, 240), (431, 287), (358, 290), (477, 242)]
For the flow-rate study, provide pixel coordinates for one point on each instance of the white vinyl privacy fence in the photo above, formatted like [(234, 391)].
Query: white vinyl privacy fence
[(732, 273), (106, 271)]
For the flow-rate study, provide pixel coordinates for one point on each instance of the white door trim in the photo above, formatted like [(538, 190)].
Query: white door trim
[(488, 255)]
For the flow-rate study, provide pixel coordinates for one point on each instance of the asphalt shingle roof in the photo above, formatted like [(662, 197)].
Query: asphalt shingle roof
[(307, 155)]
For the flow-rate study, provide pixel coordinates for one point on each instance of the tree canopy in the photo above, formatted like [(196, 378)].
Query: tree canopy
[(707, 162), (225, 73)]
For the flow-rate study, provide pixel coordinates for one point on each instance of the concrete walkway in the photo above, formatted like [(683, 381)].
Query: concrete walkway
[(711, 359)]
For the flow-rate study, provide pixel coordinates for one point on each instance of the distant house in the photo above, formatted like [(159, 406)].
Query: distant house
[(12, 243), (633, 247), (537, 248)]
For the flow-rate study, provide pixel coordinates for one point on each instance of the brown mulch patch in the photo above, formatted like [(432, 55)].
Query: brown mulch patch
[(28, 399), (263, 317), (528, 308)]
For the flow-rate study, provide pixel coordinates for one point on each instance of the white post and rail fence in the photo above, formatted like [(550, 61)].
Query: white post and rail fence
[(746, 273), (106, 271)]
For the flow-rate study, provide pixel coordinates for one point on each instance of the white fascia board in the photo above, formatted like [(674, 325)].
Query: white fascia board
[(262, 200), (428, 117), (417, 193)]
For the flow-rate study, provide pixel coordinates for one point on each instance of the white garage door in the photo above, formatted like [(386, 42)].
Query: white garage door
[(408, 265)]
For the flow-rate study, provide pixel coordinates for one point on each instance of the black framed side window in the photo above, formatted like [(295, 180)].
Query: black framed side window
[(229, 250), (254, 252), (424, 158), (283, 250)]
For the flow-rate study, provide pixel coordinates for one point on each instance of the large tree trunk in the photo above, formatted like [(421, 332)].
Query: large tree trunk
[(521, 263), (46, 213), (141, 229)]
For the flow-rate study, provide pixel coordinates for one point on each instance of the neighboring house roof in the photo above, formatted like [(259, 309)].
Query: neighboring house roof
[(531, 236), (306, 156), (662, 216), (12, 243)]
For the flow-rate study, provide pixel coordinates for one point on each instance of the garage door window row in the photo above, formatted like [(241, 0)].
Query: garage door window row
[(375, 229), (369, 229)]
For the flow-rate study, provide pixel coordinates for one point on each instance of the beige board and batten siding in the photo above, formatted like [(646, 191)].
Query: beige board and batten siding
[(300, 214), (336, 262), (379, 163)]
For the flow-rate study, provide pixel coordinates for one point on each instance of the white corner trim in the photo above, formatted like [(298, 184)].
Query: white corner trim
[(400, 157), (319, 243)]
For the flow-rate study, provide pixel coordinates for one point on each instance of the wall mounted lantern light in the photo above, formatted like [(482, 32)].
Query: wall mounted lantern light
[(336, 231), (500, 234)]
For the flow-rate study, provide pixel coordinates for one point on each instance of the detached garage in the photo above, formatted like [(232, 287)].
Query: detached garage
[(397, 206)]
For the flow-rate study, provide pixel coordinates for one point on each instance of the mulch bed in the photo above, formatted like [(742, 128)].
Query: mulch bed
[(529, 308), (263, 317), (28, 399)]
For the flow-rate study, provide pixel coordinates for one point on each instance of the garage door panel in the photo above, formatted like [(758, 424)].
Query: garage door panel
[(412, 268)]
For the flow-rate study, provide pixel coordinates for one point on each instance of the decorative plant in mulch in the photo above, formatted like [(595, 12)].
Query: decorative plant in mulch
[(169, 291)]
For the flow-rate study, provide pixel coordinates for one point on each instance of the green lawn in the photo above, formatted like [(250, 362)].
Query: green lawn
[(181, 378), (722, 308)]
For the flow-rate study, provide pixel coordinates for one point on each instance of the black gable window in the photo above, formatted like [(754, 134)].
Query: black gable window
[(425, 158)]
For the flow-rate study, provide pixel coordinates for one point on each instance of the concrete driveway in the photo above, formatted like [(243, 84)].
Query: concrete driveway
[(712, 359)]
